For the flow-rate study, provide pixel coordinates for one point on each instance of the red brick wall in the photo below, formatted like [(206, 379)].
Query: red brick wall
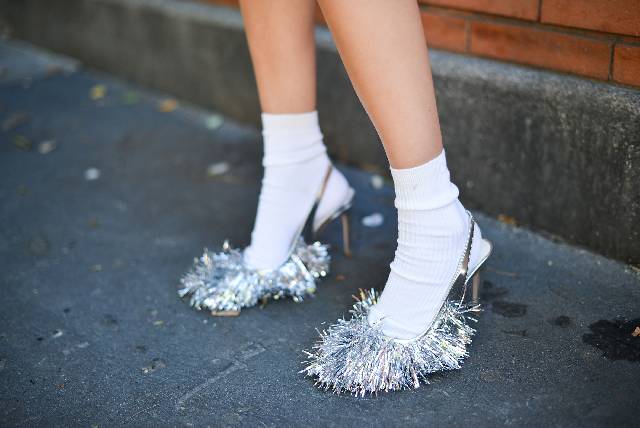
[(599, 39)]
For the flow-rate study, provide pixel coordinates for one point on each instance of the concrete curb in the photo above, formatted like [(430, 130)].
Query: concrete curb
[(555, 152)]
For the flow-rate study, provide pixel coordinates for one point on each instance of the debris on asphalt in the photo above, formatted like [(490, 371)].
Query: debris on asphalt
[(167, 105), (225, 313), (97, 92), (373, 220), (218, 168), (22, 142), (92, 174), (153, 365), (506, 219), (14, 120), (214, 121), (47, 147), (502, 272), (56, 334), (377, 182)]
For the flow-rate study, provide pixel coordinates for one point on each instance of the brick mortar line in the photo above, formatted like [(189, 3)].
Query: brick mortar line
[(539, 18), (522, 23), (467, 36), (611, 52)]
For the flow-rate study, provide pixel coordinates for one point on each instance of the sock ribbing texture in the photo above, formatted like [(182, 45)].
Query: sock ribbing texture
[(433, 228)]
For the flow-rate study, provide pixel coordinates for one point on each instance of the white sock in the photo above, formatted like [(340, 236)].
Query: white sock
[(295, 162), (433, 228)]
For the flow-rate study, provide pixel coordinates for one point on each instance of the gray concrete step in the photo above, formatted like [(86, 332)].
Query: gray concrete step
[(92, 331)]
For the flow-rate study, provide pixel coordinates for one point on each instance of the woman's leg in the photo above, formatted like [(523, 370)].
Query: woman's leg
[(382, 45), (383, 49), (282, 45), (281, 41)]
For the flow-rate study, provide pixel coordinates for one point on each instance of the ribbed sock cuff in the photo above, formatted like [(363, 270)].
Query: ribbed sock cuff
[(424, 187), (289, 122), (291, 138)]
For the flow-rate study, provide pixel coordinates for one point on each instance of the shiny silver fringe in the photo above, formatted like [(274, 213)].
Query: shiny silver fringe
[(222, 282), (354, 357)]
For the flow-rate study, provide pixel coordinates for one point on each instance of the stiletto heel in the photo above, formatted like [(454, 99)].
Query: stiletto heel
[(343, 213), (475, 291), (346, 234), (354, 356)]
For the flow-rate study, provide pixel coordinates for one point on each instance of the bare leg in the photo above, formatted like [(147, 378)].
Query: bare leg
[(382, 46), (282, 46)]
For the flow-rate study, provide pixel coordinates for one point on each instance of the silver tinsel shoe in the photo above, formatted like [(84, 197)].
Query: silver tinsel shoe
[(352, 356), (223, 283)]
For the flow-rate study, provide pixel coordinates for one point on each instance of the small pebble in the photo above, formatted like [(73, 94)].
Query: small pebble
[(22, 142), (218, 168), (506, 219), (167, 105), (97, 92), (373, 220), (46, 147), (214, 121), (377, 182), (92, 174), (155, 364)]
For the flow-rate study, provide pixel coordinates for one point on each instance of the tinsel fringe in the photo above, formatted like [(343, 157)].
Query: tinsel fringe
[(222, 282), (351, 356)]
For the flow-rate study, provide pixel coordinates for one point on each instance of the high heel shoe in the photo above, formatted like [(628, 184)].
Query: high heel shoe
[(353, 356), (223, 283)]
